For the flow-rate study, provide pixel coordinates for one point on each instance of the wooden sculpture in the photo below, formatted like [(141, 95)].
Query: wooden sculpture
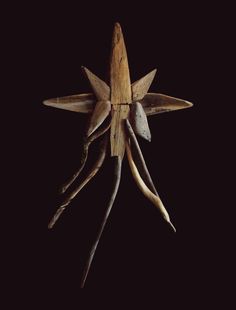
[(118, 112)]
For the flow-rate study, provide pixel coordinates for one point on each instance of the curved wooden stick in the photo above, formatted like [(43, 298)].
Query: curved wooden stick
[(91, 174), (87, 142), (143, 167), (145, 190), (116, 183)]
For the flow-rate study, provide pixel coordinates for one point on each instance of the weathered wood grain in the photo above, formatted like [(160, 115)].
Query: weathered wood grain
[(141, 87), (139, 159), (89, 176), (87, 141), (100, 88), (117, 161), (139, 121), (83, 103), (121, 95), (145, 190), (100, 113), (158, 103)]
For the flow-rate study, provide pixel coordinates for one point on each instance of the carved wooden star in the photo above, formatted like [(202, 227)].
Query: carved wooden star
[(118, 112)]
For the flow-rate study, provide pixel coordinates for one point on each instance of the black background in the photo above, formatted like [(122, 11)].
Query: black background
[(47, 46)]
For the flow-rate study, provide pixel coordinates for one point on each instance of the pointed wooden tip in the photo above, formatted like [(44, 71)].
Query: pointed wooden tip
[(100, 113), (141, 87), (172, 227), (117, 29), (100, 88)]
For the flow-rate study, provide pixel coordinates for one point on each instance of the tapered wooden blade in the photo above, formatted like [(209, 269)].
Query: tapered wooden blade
[(139, 121), (120, 92), (100, 113), (159, 103), (141, 87), (83, 103), (100, 88), (119, 72)]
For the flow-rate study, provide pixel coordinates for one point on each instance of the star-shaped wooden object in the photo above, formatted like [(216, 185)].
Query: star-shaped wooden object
[(118, 112)]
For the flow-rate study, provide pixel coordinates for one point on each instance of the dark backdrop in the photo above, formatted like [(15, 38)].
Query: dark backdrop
[(48, 44)]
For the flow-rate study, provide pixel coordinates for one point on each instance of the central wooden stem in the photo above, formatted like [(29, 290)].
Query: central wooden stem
[(121, 95)]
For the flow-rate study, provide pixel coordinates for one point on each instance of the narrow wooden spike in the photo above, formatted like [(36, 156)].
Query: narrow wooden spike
[(116, 182), (139, 121), (141, 87), (100, 113), (119, 71), (120, 92), (90, 175), (83, 103), (100, 88), (158, 103), (145, 190), (139, 159), (87, 142)]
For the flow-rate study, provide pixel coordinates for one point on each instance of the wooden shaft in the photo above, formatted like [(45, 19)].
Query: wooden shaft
[(145, 190), (140, 159), (87, 142), (121, 95), (91, 174), (116, 182)]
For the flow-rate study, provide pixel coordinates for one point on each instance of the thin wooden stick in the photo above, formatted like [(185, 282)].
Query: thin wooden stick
[(143, 167), (91, 174), (87, 142), (116, 183), (145, 190)]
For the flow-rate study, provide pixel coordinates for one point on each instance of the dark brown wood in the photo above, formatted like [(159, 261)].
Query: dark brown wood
[(87, 142), (116, 182), (90, 175)]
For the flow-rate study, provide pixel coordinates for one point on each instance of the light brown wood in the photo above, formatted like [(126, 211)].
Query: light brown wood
[(158, 103), (121, 95), (83, 103), (141, 87), (139, 121), (119, 71), (100, 88), (100, 113), (145, 190)]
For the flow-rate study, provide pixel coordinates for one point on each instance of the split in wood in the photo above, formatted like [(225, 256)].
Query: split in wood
[(123, 101)]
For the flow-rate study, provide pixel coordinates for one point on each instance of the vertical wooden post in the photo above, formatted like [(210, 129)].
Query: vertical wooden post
[(121, 95)]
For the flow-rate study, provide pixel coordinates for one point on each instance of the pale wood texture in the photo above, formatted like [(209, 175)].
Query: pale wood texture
[(83, 103), (100, 113), (139, 159), (100, 88), (158, 103), (141, 87), (139, 121), (120, 92), (145, 190)]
